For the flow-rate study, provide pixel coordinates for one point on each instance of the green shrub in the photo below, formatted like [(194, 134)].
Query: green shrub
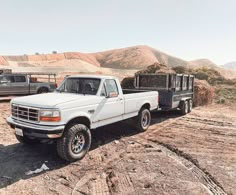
[(180, 69), (202, 76)]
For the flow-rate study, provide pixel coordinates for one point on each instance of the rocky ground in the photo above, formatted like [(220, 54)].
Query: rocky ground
[(192, 154)]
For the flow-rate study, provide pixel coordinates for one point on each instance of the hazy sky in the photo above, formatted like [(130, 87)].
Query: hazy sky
[(188, 29)]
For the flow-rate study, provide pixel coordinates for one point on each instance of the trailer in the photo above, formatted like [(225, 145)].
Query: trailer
[(176, 91)]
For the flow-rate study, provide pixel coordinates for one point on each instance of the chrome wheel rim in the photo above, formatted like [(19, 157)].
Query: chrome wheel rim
[(145, 119), (78, 143)]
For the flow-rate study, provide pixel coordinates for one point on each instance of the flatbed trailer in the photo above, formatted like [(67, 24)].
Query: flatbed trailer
[(176, 91)]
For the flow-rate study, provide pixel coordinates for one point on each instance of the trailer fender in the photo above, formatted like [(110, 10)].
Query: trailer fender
[(185, 99)]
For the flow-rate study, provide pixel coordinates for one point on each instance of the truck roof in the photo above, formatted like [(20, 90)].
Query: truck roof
[(92, 76)]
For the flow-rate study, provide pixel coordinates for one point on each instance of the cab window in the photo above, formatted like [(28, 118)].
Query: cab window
[(20, 79), (8, 79)]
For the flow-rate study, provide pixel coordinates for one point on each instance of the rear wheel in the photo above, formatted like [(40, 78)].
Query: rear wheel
[(143, 120), (184, 108), (26, 140), (190, 105), (75, 142)]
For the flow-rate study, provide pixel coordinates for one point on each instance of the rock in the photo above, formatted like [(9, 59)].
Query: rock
[(146, 161), (131, 142), (147, 185), (117, 141)]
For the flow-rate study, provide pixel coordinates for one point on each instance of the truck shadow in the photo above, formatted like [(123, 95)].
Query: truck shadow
[(17, 159), (118, 130)]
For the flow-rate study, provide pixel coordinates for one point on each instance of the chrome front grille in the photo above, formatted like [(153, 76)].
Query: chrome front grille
[(25, 113)]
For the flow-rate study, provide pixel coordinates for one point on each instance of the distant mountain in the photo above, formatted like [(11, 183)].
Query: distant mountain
[(136, 57), (230, 65), (202, 63)]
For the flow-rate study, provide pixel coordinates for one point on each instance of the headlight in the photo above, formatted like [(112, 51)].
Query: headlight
[(50, 115)]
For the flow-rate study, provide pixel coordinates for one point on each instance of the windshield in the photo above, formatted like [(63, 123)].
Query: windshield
[(80, 85)]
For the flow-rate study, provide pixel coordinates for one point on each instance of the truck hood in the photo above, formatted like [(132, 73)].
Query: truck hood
[(51, 100)]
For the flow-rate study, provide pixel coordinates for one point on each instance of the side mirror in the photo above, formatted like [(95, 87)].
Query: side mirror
[(112, 95)]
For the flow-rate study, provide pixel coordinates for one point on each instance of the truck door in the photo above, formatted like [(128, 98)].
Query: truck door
[(6, 84), (111, 108), (20, 86)]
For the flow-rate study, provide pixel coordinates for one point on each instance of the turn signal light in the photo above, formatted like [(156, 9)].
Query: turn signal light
[(50, 119)]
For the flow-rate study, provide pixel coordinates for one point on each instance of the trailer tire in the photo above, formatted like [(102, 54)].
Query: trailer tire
[(190, 105), (26, 140), (184, 108), (143, 120), (75, 142), (43, 90)]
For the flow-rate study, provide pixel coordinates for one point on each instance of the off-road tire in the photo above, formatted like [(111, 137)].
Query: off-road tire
[(42, 90), (65, 143), (26, 140), (190, 105), (143, 120), (184, 108)]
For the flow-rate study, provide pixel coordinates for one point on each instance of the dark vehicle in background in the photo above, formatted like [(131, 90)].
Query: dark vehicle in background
[(175, 90), (26, 83)]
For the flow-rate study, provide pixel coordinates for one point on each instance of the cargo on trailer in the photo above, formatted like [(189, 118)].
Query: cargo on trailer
[(175, 90)]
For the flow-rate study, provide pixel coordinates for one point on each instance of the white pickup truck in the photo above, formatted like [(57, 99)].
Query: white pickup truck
[(79, 104)]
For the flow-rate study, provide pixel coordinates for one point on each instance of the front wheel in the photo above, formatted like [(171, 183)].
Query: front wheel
[(143, 120), (75, 142)]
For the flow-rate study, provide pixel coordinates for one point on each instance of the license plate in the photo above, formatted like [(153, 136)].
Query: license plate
[(19, 131)]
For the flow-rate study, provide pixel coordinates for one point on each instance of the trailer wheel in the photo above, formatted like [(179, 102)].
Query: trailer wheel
[(143, 120), (26, 140), (75, 142), (184, 107), (190, 105), (43, 90)]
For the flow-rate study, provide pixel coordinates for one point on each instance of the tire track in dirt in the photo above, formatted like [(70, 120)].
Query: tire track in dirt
[(104, 179), (190, 164), (186, 160), (208, 121)]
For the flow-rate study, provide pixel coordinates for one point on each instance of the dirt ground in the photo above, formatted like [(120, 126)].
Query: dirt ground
[(191, 154)]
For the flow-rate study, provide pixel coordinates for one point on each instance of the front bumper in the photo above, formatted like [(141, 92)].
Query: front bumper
[(37, 131)]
